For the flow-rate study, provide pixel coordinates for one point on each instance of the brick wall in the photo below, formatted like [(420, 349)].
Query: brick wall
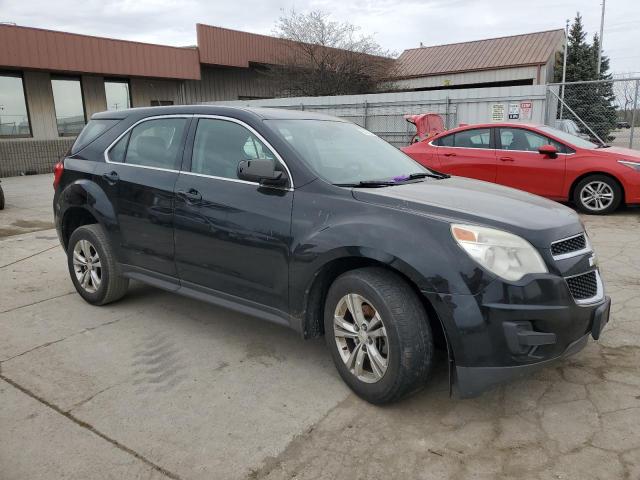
[(21, 156)]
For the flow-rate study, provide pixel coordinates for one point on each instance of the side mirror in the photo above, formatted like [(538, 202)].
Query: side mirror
[(261, 171), (548, 150)]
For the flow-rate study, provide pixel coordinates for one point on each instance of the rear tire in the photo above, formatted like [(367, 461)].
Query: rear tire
[(1, 199), (390, 354), (93, 268), (597, 195)]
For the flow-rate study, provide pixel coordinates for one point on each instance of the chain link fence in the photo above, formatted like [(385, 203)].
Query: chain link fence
[(386, 119), (603, 111)]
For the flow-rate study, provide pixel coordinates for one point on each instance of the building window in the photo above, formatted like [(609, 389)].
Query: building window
[(117, 93), (67, 99), (14, 117)]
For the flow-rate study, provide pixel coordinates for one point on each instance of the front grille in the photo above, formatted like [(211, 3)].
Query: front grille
[(573, 244), (583, 286)]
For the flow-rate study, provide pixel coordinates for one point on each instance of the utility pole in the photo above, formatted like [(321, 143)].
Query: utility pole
[(600, 41), (564, 65)]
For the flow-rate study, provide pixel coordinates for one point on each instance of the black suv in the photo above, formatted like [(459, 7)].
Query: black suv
[(315, 223)]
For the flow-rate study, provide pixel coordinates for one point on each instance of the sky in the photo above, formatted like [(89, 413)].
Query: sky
[(395, 24)]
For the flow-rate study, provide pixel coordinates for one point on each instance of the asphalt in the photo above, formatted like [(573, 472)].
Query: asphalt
[(160, 386)]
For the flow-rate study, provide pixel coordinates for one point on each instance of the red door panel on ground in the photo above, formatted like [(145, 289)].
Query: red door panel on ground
[(521, 166), (468, 153)]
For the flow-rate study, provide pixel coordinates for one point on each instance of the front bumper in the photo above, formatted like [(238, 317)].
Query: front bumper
[(472, 381), (509, 331)]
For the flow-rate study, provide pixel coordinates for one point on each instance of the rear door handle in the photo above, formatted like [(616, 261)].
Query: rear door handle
[(111, 177), (450, 154), (506, 159), (191, 195)]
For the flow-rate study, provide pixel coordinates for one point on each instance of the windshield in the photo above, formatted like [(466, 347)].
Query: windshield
[(344, 153), (569, 138)]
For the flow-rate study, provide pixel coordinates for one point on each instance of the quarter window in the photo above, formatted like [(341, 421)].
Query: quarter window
[(117, 94), (526, 140), (14, 120), (220, 145), (475, 138), (119, 150), (67, 99), (154, 143)]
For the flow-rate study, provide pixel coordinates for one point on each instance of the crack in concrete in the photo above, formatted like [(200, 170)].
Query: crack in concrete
[(28, 256), (37, 302), (91, 397), (53, 342), (91, 428)]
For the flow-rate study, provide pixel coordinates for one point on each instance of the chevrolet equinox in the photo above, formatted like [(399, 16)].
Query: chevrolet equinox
[(315, 223)]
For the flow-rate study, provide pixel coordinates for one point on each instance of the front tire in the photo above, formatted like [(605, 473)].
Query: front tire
[(378, 333), (93, 268), (597, 195)]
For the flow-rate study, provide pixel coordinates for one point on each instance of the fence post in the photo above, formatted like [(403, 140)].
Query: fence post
[(366, 113), (446, 113), (633, 114), (301, 106)]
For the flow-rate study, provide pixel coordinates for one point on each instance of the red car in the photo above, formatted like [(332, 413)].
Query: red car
[(538, 159)]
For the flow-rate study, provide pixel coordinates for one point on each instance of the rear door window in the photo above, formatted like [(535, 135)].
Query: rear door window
[(154, 143), (475, 138)]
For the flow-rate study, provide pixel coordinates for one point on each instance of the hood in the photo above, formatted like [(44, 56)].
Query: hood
[(621, 153), (463, 200)]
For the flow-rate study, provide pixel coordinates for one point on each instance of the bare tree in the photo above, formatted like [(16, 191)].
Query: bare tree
[(320, 56)]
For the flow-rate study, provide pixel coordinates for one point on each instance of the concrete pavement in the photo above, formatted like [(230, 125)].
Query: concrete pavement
[(161, 386)]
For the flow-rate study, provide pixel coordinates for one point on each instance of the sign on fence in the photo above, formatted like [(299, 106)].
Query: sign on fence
[(497, 112), (525, 110), (514, 111)]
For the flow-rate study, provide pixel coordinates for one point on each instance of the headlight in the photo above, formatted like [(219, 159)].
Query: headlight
[(627, 163), (502, 253)]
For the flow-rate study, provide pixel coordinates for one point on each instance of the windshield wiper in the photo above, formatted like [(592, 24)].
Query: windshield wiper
[(436, 175), (399, 180), (369, 184), (603, 145)]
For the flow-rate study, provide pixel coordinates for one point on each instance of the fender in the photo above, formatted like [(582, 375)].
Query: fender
[(89, 196)]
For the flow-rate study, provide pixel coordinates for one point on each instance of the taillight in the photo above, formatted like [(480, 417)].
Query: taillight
[(57, 173)]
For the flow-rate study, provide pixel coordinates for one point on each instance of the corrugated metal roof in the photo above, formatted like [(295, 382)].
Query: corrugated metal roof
[(528, 49), (25, 47), (222, 46)]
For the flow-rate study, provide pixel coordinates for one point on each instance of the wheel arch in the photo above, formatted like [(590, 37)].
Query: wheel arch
[(83, 203), (74, 218), (313, 317), (581, 177)]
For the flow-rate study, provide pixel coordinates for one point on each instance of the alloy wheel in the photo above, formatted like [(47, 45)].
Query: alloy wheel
[(361, 338), (87, 266), (597, 196)]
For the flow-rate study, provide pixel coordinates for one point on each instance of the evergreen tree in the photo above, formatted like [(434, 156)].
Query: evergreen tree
[(592, 102)]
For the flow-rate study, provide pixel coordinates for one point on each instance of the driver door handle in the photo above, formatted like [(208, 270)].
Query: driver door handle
[(450, 154), (191, 195), (506, 159), (111, 177)]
